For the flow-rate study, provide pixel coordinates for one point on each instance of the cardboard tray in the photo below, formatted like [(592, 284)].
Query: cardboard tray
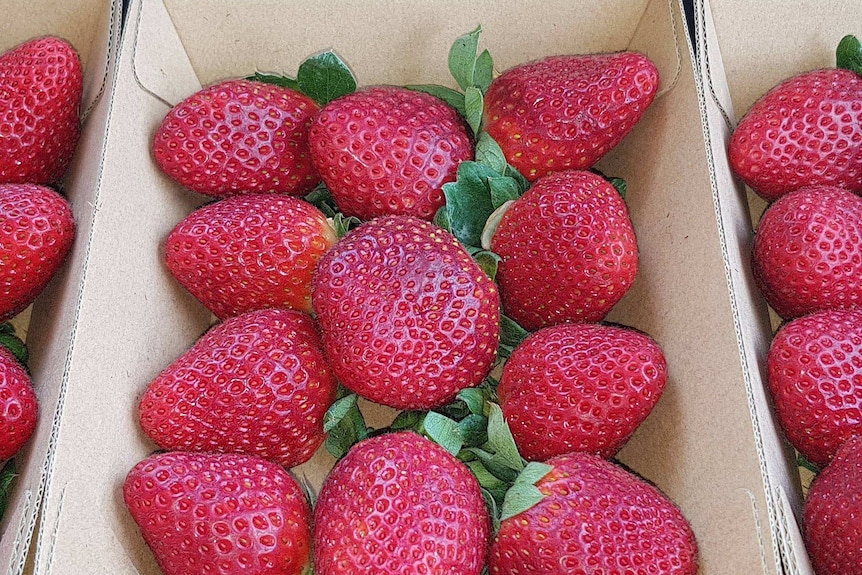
[(93, 28), (702, 445), (744, 52)]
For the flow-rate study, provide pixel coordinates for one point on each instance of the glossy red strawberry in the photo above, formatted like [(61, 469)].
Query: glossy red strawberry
[(568, 250), (815, 376), (386, 150), (238, 137), (808, 252), (595, 518), (566, 112), (805, 131), (250, 252), (19, 407), (219, 513), (580, 387), (36, 234), (41, 85), (398, 504), (255, 384), (408, 318)]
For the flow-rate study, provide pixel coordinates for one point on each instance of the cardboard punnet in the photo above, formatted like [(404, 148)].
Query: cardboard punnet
[(93, 28), (133, 319), (746, 49)]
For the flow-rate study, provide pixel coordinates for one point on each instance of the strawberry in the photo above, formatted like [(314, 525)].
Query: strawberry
[(408, 318), (815, 376), (398, 504), (19, 408), (249, 252), (806, 131), (36, 233), (41, 86), (237, 137), (566, 112), (833, 514), (256, 384), (595, 518), (568, 250), (386, 150), (219, 513), (808, 252), (580, 387)]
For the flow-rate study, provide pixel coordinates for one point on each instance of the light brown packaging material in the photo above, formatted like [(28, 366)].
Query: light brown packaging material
[(747, 49), (92, 27)]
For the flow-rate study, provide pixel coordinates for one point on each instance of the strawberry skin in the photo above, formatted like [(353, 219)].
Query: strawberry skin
[(568, 250), (808, 252), (806, 131), (833, 514), (815, 376), (219, 513), (566, 112), (250, 252), (19, 408), (256, 384), (36, 234), (41, 85), (398, 504), (238, 137), (595, 518), (580, 387), (408, 318), (386, 150)]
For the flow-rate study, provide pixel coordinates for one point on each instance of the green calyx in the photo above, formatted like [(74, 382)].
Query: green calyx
[(322, 77), (7, 480), (848, 55), (13, 343)]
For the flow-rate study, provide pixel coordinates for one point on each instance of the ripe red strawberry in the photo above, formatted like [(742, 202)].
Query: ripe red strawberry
[(386, 150), (255, 384), (595, 518), (41, 85), (219, 513), (36, 233), (408, 318), (19, 407), (580, 387), (808, 252), (805, 131), (568, 250), (398, 504), (566, 112), (815, 376), (237, 137), (833, 514), (250, 252)]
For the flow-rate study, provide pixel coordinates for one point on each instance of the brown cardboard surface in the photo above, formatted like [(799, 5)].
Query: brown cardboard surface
[(132, 319), (92, 26)]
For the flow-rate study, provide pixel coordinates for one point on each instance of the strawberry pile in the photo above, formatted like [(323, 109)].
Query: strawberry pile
[(409, 246), (800, 147)]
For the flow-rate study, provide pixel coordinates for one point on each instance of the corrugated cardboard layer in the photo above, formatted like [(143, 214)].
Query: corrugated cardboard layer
[(133, 319)]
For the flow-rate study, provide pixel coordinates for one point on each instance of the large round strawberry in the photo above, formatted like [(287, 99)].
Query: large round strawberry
[(568, 250), (256, 384), (566, 112), (41, 85), (219, 513), (815, 376), (408, 318), (808, 251), (398, 504), (805, 131), (36, 234), (249, 252), (580, 387), (237, 137), (19, 407), (595, 518), (386, 150)]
